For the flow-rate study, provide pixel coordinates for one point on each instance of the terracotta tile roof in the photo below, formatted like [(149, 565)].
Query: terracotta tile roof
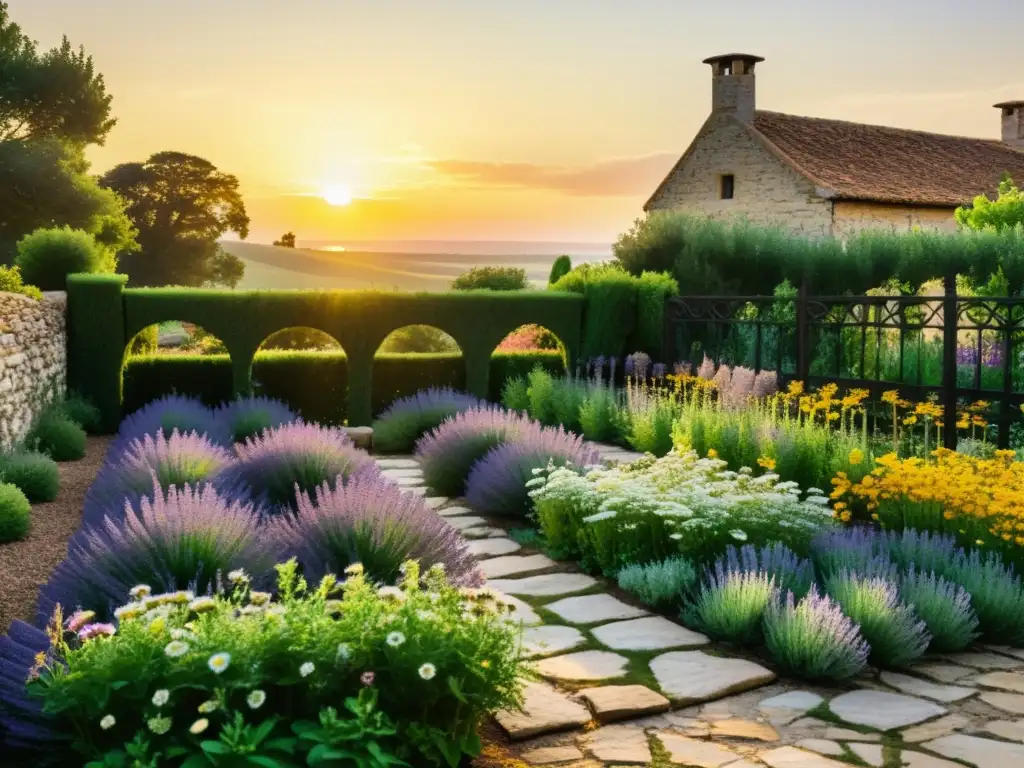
[(892, 165)]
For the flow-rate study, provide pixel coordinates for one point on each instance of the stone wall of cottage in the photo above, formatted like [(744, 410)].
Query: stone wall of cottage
[(33, 359), (766, 190), (850, 218)]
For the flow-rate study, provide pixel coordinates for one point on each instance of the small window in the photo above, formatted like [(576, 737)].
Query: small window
[(727, 68), (1008, 111), (728, 186)]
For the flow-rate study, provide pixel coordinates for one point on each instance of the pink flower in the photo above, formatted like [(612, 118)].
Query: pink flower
[(89, 631), (366, 678), (78, 620)]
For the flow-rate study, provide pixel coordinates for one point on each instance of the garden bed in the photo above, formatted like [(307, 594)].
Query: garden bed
[(26, 564)]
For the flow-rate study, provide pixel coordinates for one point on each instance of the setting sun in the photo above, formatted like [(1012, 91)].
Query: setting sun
[(337, 194)]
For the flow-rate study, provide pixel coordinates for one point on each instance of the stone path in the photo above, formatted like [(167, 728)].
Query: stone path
[(620, 686)]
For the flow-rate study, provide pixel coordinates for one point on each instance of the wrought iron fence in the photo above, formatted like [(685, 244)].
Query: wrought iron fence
[(958, 349)]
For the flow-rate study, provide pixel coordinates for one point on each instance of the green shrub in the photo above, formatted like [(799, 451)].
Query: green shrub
[(492, 279), (10, 282), (600, 416), (611, 299), (731, 605), (561, 266), (15, 513), (47, 256), (34, 473), (659, 584), (57, 436), (145, 342), (515, 395), (290, 377), (79, 410)]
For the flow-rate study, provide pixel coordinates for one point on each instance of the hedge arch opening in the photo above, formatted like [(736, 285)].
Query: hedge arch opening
[(522, 350), (307, 369), (174, 357), (412, 358)]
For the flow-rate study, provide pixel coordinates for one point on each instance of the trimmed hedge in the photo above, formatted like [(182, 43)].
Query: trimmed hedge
[(104, 317), (315, 383)]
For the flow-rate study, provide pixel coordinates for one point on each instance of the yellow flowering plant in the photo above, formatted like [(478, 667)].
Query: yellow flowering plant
[(979, 500)]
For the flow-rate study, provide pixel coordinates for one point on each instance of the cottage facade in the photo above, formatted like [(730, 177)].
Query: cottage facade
[(829, 177)]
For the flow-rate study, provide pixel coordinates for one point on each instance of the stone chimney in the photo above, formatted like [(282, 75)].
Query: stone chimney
[(732, 84), (1013, 123)]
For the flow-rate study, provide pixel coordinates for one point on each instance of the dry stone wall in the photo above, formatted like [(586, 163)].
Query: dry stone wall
[(33, 359)]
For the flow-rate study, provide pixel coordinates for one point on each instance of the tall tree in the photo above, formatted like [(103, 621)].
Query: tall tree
[(52, 105), (181, 205), (56, 94)]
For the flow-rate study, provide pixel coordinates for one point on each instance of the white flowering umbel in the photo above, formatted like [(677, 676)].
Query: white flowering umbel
[(677, 504)]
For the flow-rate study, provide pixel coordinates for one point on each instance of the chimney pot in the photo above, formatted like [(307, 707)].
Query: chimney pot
[(732, 84)]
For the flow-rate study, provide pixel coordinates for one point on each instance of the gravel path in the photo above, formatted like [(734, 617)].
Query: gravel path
[(26, 564)]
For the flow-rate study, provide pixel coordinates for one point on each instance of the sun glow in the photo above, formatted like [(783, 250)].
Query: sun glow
[(337, 194)]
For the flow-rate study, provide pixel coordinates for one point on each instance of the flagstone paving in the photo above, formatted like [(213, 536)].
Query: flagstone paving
[(682, 699)]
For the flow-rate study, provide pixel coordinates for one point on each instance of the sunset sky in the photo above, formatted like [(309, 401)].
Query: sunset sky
[(487, 119)]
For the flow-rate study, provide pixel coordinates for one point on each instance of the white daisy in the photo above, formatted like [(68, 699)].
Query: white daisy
[(307, 669), (108, 722), (395, 639), (255, 699), (219, 662), (427, 671), (161, 697), (176, 648)]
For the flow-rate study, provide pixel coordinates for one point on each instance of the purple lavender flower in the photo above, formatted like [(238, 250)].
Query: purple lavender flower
[(992, 355), (739, 389), (966, 354), (857, 549), (407, 419), (91, 631), (630, 365), (599, 362), (641, 364), (706, 370), (250, 416), (448, 453), (944, 607), (152, 461), (497, 483), (171, 412), (612, 362), (28, 732), (373, 522), (923, 550), (766, 384), (814, 638), (896, 634), (779, 562), (290, 458), (182, 541), (658, 371)]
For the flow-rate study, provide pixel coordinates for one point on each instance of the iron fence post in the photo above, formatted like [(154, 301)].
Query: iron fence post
[(949, 324), (803, 363)]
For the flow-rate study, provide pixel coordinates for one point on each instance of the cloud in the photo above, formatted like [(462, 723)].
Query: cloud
[(618, 177)]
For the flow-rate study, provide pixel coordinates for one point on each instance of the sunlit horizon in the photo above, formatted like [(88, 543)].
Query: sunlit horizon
[(526, 122)]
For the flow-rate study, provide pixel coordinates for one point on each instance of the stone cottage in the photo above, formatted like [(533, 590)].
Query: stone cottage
[(829, 177)]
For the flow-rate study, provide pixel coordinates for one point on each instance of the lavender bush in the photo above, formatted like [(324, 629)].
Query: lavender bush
[(790, 572), (895, 633), (497, 483), (248, 417), (944, 607), (27, 731), (184, 414), (923, 550), (849, 549), (660, 584), (152, 464), (731, 605), (293, 457), (997, 595), (182, 542), (373, 522), (814, 639), (397, 429), (448, 453)]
